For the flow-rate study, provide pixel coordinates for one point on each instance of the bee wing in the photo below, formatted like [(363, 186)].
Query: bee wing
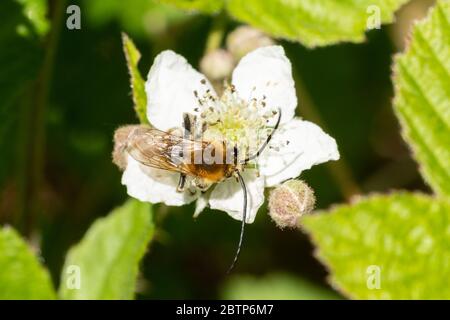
[(158, 149)]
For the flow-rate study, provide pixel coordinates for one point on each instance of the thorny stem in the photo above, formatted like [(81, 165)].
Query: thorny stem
[(34, 129), (339, 170)]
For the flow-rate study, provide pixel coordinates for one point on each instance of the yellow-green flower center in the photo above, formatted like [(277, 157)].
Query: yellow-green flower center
[(238, 122)]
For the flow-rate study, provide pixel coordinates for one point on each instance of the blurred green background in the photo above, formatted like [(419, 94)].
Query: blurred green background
[(63, 95)]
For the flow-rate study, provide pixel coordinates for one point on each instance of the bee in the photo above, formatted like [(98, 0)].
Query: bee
[(203, 162)]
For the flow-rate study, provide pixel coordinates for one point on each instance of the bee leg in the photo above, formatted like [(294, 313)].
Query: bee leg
[(192, 190), (203, 129), (187, 134), (181, 183), (189, 125)]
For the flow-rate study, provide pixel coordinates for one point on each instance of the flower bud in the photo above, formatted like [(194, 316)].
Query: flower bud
[(245, 39), (217, 65), (289, 201), (120, 143)]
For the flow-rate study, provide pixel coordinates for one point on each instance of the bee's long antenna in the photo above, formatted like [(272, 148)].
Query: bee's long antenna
[(261, 149), (244, 218)]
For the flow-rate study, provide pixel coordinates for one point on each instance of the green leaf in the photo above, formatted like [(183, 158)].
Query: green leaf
[(422, 96), (405, 238), (206, 6), (133, 56), (313, 22), (143, 19), (108, 256), (277, 286), (36, 11), (21, 274)]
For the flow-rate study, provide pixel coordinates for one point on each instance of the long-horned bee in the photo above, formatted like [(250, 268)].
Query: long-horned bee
[(200, 163)]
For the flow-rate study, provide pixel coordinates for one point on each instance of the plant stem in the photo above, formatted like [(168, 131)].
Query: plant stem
[(34, 126), (339, 170), (216, 33)]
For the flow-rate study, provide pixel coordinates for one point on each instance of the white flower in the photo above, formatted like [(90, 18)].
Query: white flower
[(262, 81)]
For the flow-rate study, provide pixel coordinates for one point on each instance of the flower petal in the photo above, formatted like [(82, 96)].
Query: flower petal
[(267, 72), (170, 87), (308, 145), (154, 185), (229, 197)]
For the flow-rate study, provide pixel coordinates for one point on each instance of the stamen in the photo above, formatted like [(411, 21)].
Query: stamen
[(234, 120)]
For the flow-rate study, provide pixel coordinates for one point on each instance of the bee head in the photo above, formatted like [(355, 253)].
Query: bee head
[(121, 136)]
